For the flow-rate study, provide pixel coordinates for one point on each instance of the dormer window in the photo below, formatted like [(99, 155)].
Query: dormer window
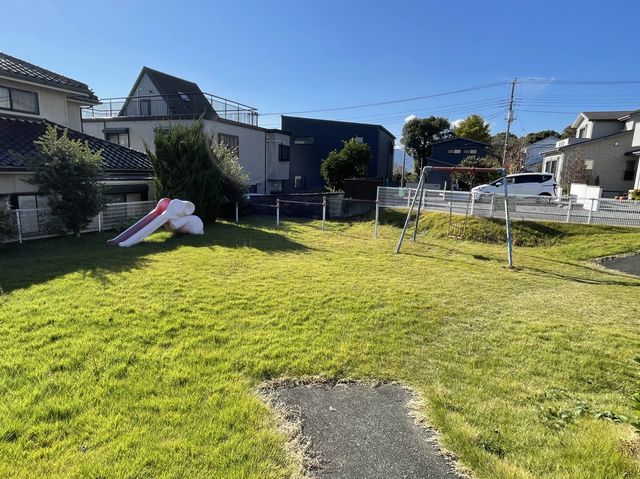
[(184, 96), (18, 100)]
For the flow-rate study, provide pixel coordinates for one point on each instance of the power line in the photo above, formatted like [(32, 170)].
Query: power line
[(390, 102)]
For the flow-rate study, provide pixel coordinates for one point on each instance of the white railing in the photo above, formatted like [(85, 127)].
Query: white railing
[(530, 208), (39, 223)]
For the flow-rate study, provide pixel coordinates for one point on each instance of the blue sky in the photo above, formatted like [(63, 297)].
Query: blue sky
[(290, 56)]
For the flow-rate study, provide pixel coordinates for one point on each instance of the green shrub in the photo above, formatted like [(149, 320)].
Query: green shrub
[(5, 220), (67, 171), (188, 166), (635, 195), (351, 161)]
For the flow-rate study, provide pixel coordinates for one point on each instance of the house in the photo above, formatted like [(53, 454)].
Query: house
[(158, 100), (609, 144), (533, 153), (31, 98), (313, 139), (451, 152)]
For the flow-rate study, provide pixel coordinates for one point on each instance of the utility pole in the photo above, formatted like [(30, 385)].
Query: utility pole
[(509, 121), (404, 162)]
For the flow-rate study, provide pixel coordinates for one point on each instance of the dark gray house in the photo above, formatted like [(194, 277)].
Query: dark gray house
[(313, 139), (450, 153)]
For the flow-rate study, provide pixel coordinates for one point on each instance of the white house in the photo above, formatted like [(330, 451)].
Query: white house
[(158, 100), (609, 144), (33, 98), (533, 152)]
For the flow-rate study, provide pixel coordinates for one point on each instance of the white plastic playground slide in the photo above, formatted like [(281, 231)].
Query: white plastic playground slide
[(175, 215)]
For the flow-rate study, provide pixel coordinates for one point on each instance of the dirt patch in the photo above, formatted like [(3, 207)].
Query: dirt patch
[(355, 430)]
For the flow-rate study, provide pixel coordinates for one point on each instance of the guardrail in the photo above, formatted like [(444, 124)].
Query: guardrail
[(33, 224), (526, 208)]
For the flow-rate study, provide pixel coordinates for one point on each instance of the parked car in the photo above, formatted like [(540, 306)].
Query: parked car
[(536, 184)]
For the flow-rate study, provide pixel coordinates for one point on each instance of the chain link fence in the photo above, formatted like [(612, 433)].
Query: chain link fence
[(526, 208), (40, 223)]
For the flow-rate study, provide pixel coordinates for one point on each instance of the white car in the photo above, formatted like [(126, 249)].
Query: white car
[(535, 184)]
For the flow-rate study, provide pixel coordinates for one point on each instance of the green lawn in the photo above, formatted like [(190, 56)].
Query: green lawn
[(145, 362)]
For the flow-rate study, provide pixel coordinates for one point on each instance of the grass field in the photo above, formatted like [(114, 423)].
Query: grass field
[(144, 362)]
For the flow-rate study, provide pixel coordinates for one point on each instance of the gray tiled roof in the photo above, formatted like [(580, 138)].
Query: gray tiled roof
[(18, 134), (21, 70), (605, 115)]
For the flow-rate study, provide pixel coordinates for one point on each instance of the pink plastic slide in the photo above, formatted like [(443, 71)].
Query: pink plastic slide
[(175, 215)]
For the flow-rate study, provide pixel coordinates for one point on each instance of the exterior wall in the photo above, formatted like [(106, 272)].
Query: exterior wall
[(251, 150), (145, 87), (277, 173), (384, 167), (608, 159), (252, 140), (53, 105), (604, 128), (11, 183), (328, 136)]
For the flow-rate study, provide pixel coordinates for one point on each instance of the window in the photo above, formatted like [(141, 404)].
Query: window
[(304, 140), (630, 170), (145, 107), (454, 152), (232, 141), (184, 96), (473, 152), (297, 182), (19, 100), (284, 153), (120, 138), (582, 132)]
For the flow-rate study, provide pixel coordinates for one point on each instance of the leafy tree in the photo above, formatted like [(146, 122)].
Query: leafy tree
[(497, 143), (541, 135), (474, 127), (351, 161), (233, 179), (574, 170), (568, 132), (466, 181), (5, 219), (515, 161), (189, 167), (67, 171), (419, 133)]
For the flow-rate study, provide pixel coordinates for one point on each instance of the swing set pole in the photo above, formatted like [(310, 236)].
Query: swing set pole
[(413, 202)]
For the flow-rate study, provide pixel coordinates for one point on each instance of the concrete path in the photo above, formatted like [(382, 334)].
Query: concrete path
[(627, 264), (358, 431)]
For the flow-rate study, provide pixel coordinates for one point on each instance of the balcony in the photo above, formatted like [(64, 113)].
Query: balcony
[(181, 105), (570, 141)]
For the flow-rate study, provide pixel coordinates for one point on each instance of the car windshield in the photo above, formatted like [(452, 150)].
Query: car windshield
[(498, 182)]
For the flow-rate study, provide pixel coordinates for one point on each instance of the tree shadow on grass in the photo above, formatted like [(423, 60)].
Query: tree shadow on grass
[(27, 264), (592, 275)]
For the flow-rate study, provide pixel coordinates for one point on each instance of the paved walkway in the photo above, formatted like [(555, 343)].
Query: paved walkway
[(627, 264), (358, 431)]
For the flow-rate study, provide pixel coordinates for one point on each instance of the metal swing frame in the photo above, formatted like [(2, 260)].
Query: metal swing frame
[(452, 169)]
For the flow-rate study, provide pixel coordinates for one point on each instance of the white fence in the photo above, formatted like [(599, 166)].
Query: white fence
[(39, 223), (531, 208)]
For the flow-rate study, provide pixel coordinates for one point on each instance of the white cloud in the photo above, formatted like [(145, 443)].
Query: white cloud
[(409, 118), (455, 123)]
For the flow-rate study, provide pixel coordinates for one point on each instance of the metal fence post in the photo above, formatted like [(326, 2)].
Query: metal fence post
[(569, 210), (473, 201), (493, 206), (590, 212), (100, 222), (324, 210), (19, 224), (278, 212), (237, 215), (375, 227)]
